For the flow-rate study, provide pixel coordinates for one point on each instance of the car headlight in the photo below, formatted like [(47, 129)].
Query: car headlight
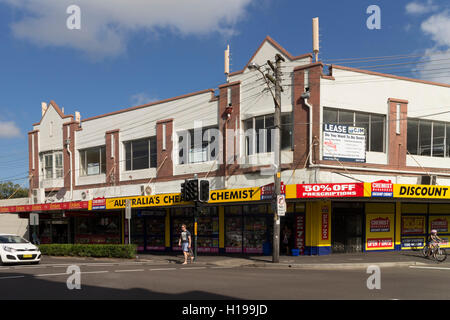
[(9, 249)]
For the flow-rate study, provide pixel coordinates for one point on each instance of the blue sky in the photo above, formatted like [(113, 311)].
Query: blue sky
[(146, 50)]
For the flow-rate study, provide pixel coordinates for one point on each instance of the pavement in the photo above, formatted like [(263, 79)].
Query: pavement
[(326, 262)]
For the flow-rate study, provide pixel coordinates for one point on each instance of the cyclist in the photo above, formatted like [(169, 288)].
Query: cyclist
[(433, 240)]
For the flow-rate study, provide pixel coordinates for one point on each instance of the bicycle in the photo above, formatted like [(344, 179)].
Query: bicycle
[(439, 254)]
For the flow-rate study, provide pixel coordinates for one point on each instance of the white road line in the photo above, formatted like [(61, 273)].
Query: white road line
[(191, 268), (66, 274), (221, 267), (437, 268), (12, 277), (162, 269), (135, 270)]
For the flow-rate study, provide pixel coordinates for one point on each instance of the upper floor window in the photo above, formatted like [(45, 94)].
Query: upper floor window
[(192, 149), (52, 164), (428, 138), (259, 135), (93, 161), (374, 125), (140, 154)]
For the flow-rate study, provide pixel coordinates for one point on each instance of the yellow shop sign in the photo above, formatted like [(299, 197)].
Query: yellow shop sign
[(146, 201), (234, 195), (421, 191)]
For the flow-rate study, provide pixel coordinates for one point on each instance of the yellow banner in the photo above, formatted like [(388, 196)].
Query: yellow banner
[(421, 191), (146, 201), (235, 195)]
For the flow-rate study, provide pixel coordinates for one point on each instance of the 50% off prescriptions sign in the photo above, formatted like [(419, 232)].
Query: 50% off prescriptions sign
[(330, 190)]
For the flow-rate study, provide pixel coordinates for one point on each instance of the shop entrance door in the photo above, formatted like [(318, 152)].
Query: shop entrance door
[(347, 229), (60, 232)]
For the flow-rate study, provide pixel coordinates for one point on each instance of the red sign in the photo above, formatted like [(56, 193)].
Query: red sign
[(268, 190), (380, 225), (382, 188), (441, 225), (330, 190), (325, 225), (379, 243), (47, 207)]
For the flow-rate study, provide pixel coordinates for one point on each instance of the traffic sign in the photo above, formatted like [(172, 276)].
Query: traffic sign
[(34, 219), (281, 205)]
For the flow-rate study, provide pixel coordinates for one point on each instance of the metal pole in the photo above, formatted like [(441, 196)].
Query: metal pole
[(195, 230), (277, 151)]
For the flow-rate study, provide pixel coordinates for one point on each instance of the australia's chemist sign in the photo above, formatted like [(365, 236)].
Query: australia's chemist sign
[(146, 201), (421, 191)]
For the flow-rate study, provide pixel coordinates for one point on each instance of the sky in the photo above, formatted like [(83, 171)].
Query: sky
[(132, 52)]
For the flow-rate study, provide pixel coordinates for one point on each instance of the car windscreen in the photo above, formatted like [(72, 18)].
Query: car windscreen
[(12, 239)]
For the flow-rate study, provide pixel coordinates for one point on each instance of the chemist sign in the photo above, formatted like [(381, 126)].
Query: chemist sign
[(344, 143)]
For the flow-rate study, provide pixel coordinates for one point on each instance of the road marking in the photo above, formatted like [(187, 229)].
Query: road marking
[(437, 268), (163, 269), (135, 270), (221, 267), (191, 268), (66, 274), (12, 277)]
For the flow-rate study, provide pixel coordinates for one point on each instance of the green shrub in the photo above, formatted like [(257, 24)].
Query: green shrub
[(127, 251)]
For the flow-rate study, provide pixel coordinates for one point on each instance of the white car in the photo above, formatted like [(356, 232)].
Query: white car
[(15, 249)]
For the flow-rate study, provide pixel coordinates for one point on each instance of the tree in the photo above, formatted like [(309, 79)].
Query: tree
[(9, 189)]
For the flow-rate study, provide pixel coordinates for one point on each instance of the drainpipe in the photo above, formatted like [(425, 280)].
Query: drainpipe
[(305, 97), (71, 177)]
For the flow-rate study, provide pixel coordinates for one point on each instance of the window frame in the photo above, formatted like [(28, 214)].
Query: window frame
[(446, 150), (84, 169), (56, 168), (369, 133), (150, 154)]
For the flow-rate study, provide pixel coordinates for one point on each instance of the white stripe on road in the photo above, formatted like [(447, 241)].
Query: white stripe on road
[(135, 270), (12, 277), (437, 268), (66, 274), (190, 268), (162, 269)]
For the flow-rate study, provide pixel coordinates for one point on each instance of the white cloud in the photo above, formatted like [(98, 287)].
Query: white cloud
[(105, 24), (417, 8), (142, 98), (8, 129), (437, 66)]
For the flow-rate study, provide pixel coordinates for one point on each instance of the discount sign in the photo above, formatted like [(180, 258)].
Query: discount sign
[(330, 190)]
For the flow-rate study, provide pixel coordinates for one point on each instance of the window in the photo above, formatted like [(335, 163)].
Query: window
[(428, 138), (259, 134), (52, 165), (204, 151), (93, 161), (374, 125), (140, 154)]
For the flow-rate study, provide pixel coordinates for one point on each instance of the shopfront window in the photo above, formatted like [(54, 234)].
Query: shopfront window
[(93, 161), (101, 228), (233, 229)]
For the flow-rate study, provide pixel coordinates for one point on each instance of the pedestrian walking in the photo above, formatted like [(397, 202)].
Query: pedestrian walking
[(185, 242)]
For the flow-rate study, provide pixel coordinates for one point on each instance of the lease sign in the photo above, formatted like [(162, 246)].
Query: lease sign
[(330, 190)]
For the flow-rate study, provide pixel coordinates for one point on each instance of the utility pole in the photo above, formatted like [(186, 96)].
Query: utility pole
[(277, 145), (277, 150)]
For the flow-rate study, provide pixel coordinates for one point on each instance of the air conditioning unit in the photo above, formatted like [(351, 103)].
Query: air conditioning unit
[(428, 179), (86, 195), (38, 196), (146, 190)]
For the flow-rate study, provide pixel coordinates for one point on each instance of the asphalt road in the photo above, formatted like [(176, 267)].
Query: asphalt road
[(147, 280)]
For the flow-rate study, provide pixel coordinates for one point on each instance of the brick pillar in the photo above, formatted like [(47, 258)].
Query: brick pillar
[(229, 150), (112, 157), (301, 113), (397, 139), (69, 129), (33, 159), (164, 159)]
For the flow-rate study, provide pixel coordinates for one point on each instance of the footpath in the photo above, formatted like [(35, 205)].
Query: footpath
[(327, 262)]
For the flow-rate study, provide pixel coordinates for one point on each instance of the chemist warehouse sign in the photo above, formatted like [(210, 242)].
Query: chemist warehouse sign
[(421, 191)]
